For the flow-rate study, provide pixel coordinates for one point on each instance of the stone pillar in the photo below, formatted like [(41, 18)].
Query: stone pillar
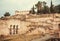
[(59, 34), (17, 29), (13, 29), (10, 30)]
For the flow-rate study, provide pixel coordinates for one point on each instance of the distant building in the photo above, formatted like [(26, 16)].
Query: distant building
[(21, 12)]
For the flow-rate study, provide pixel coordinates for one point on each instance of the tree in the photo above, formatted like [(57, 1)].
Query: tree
[(51, 8), (44, 3), (2, 17), (32, 10), (57, 9), (46, 10), (7, 14), (44, 7), (39, 7)]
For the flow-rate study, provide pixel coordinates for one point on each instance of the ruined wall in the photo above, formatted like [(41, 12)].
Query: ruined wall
[(30, 24), (3, 27), (21, 12)]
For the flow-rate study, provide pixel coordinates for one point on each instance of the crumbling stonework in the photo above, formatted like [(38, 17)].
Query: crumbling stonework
[(30, 24)]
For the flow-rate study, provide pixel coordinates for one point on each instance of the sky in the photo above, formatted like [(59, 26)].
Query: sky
[(12, 5)]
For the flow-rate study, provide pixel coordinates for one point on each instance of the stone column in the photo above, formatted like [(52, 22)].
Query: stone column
[(13, 29), (10, 29), (17, 29)]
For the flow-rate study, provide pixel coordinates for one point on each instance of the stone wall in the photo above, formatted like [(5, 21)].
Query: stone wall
[(30, 24)]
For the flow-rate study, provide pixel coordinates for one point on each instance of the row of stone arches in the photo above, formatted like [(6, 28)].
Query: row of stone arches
[(13, 29)]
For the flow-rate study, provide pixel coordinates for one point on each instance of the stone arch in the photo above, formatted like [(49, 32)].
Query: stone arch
[(13, 29)]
